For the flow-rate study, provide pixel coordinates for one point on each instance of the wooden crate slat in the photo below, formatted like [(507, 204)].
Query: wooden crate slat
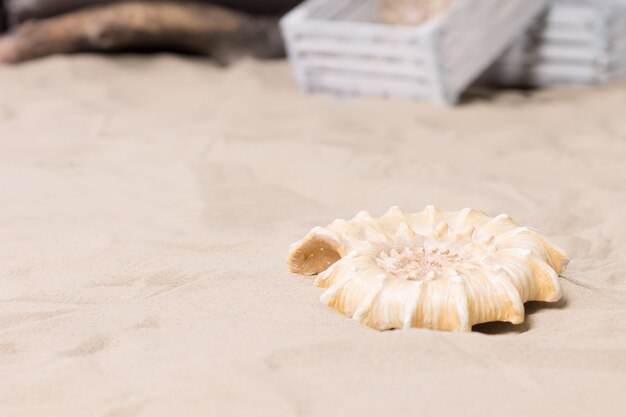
[(358, 48), (546, 51), (350, 84), (402, 68), (350, 30)]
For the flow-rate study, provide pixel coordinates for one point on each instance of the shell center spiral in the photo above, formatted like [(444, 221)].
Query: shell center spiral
[(418, 264)]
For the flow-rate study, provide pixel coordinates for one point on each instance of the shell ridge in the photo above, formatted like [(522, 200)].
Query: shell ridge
[(516, 311), (366, 304), (520, 261), (412, 305), (550, 287), (461, 303)]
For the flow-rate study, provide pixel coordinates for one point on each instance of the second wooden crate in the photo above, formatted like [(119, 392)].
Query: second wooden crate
[(574, 42)]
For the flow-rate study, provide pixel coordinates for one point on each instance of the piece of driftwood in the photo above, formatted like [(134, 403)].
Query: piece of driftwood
[(192, 27), (2, 18), (21, 10)]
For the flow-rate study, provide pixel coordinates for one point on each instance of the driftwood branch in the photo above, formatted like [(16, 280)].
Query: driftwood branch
[(138, 25)]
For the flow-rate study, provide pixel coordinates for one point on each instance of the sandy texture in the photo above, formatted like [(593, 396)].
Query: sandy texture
[(146, 208)]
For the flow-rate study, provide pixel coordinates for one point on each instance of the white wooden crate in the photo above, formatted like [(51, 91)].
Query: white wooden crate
[(342, 47), (574, 42)]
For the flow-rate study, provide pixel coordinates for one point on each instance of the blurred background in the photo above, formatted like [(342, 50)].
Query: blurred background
[(420, 49)]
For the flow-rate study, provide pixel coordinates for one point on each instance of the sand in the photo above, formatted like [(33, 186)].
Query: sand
[(146, 208)]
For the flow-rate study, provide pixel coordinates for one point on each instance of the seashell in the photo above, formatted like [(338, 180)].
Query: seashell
[(431, 269)]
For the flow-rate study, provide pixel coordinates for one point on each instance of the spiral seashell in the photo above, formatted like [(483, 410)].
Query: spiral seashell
[(431, 269)]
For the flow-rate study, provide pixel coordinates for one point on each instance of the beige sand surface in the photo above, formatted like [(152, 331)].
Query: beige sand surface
[(146, 208)]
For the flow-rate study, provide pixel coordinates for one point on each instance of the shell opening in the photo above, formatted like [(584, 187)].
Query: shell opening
[(314, 256)]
